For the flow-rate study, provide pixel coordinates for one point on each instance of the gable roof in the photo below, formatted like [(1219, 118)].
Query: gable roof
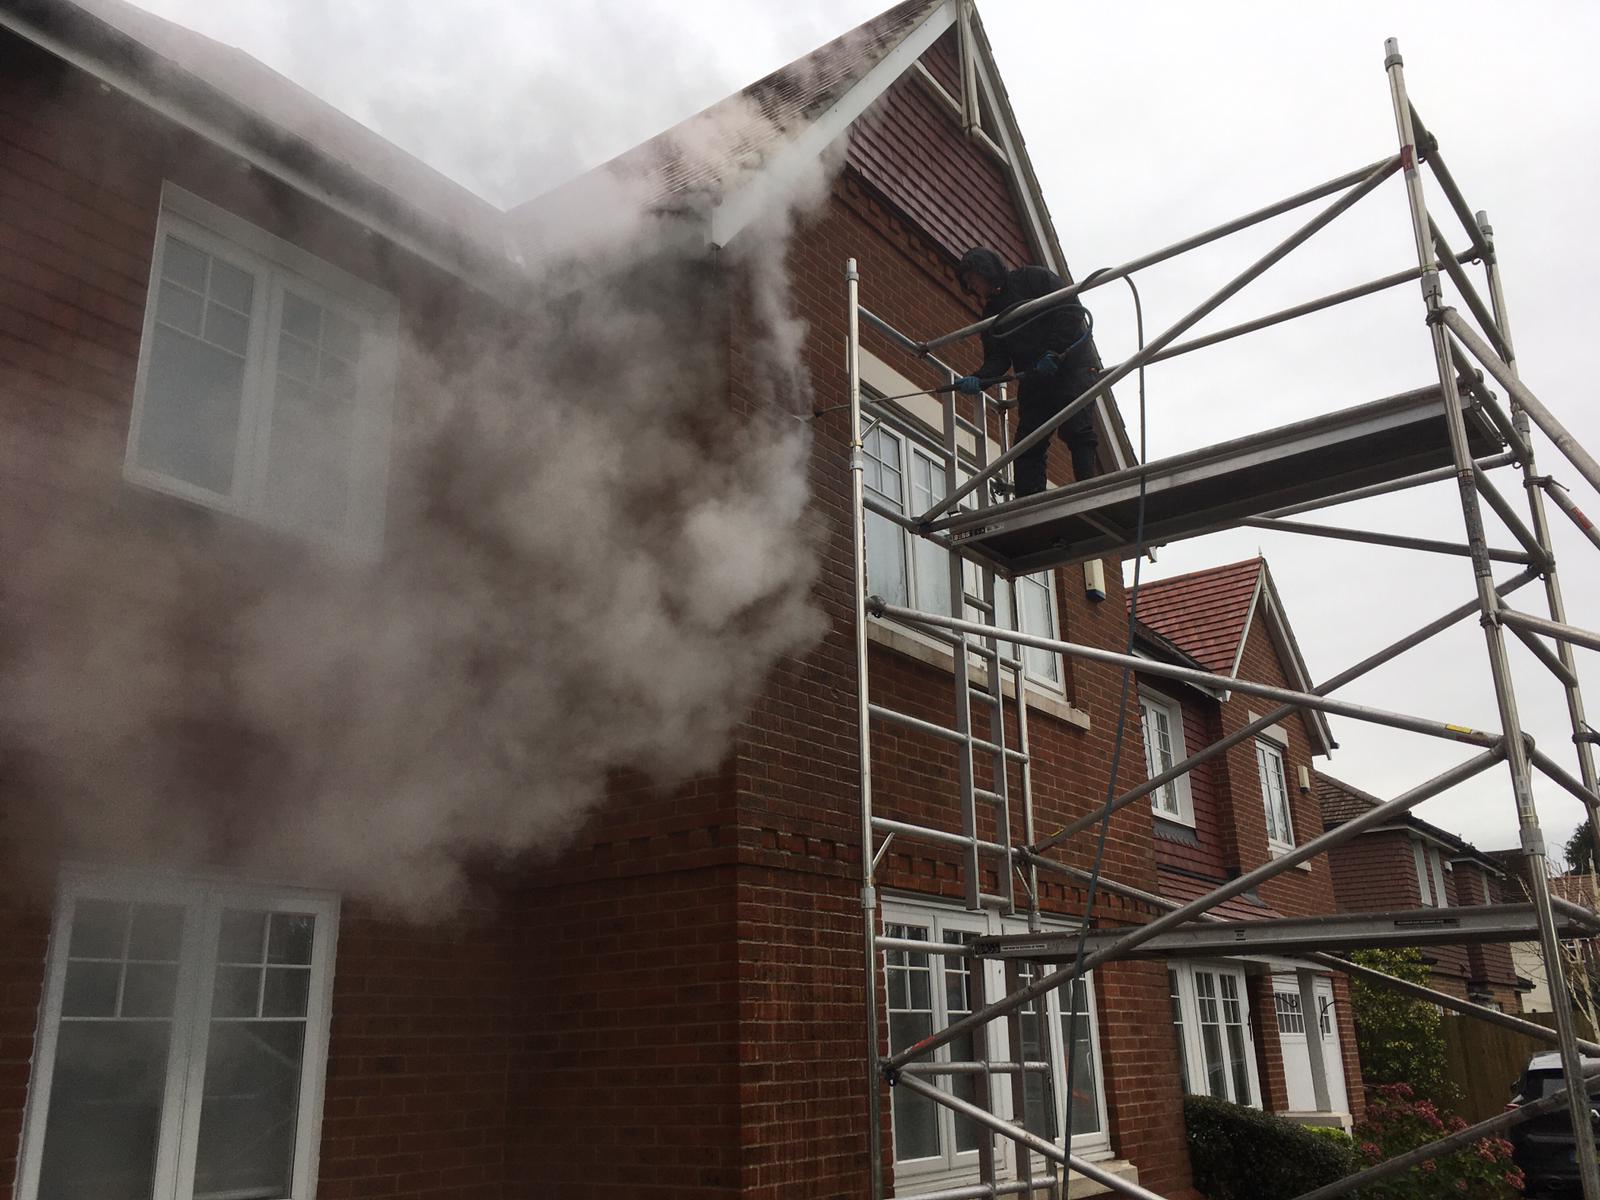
[(1341, 802), (1208, 614), (1205, 613)]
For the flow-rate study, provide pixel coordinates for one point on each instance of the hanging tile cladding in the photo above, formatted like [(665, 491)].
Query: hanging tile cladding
[(909, 148), (1203, 612)]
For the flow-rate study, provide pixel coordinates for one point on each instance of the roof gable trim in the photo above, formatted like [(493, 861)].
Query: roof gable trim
[(741, 208)]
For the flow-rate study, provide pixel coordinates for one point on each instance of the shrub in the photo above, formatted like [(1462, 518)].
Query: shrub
[(1397, 1121), (1242, 1153), (1399, 1040)]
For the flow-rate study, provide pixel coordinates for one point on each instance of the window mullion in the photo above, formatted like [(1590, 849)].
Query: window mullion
[(256, 422), (193, 1033)]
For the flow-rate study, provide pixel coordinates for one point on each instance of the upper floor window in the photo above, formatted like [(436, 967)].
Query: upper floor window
[(915, 572), (1275, 796), (927, 991), (1162, 722), (182, 1042), (1430, 874), (265, 379)]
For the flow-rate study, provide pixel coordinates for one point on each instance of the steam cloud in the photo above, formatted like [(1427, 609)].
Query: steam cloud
[(590, 565)]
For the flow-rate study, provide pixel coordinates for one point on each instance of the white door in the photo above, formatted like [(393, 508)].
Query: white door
[(1293, 1026)]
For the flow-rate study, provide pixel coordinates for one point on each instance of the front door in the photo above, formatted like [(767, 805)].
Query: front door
[(1293, 1026)]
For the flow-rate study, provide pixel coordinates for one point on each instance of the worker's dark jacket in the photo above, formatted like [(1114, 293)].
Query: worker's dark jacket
[(1018, 347)]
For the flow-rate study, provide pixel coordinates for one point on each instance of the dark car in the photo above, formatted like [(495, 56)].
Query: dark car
[(1544, 1147)]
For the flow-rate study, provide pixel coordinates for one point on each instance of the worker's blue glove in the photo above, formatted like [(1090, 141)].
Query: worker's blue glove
[(1046, 366), (969, 385)]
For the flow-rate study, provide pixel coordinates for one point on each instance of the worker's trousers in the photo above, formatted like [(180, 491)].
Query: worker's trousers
[(1037, 403)]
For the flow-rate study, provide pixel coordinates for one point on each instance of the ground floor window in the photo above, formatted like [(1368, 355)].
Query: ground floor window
[(182, 1042), (926, 991), (1211, 1016)]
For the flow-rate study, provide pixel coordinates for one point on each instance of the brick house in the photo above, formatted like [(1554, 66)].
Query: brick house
[(1411, 863), (675, 1001), (1229, 815)]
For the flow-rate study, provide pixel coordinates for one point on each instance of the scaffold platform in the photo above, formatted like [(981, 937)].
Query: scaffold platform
[(1217, 486), (1297, 935)]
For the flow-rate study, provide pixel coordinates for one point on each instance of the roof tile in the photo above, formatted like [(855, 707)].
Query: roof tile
[(1204, 613)]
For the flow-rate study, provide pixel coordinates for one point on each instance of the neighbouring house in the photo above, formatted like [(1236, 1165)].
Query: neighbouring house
[(1248, 1025), (1582, 961), (1409, 863), (210, 290)]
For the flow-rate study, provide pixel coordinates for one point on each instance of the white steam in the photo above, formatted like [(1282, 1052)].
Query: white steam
[(591, 564)]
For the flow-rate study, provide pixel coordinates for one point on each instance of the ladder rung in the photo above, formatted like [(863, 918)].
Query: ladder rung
[(944, 836), (977, 602), (988, 795), (941, 731)]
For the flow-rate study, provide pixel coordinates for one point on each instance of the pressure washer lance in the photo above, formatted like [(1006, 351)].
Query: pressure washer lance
[(986, 384)]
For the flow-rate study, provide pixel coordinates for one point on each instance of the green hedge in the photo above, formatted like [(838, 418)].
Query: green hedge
[(1242, 1153)]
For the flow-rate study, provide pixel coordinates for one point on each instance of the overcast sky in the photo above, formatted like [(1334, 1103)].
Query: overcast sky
[(1145, 123)]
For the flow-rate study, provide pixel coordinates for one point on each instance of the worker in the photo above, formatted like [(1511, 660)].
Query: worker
[(1051, 351)]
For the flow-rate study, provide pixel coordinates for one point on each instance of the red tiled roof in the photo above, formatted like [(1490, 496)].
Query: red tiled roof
[(1184, 888), (718, 146), (1205, 613)]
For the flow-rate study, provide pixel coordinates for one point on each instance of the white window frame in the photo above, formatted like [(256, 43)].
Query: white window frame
[(1192, 1060), (950, 1165), (1173, 801), (1270, 755), (275, 264), (180, 1121), (1430, 868)]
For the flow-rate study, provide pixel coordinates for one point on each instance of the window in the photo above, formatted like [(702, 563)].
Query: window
[(1290, 1018), (1430, 874), (914, 572), (1162, 721), (1275, 795), (928, 991), (182, 1043), (1211, 1015), (264, 379)]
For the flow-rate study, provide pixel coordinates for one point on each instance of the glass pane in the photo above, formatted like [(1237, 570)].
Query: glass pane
[(1177, 1028), (302, 318), (157, 930), (285, 992), (180, 308), (297, 359), (189, 429), (290, 940), (1236, 1063), (932, 566), (104, 1122), (226, 328), (231, 286), (916, 1126), (250, 1110), (148, 989), (1033, 597), (184, 264), (91, 989), (1077, 1033), (238, 989), (886, 560), (98, 929), (240, 939), (341, 337)]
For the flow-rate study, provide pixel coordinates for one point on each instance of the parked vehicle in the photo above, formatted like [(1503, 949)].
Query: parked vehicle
[(1544, 1147)]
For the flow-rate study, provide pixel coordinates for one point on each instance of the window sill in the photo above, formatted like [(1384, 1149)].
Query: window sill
[(934, 655), (912, 1182), (1278, 850)]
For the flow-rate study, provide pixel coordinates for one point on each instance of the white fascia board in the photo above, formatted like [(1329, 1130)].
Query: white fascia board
[(788, 165), (1283, 639)]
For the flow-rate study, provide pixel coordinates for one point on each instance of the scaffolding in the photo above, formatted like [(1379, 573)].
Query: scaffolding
[(1454, 429)]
